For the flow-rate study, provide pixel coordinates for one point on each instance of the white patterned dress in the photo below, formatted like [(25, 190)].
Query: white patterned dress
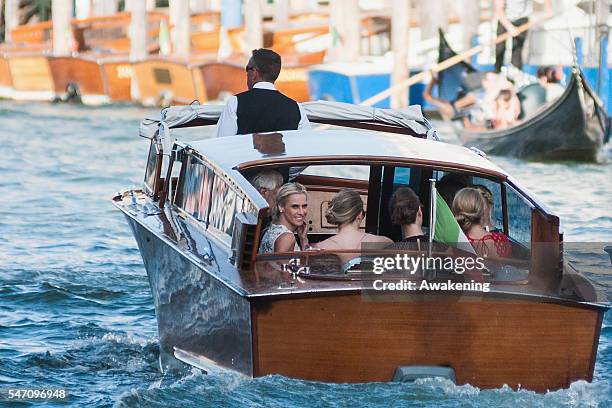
[(271, 235)]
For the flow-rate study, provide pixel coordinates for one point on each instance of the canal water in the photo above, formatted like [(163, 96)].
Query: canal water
[(75, 307)]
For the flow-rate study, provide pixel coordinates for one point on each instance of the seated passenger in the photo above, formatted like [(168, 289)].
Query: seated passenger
[(550, 78), (267, 182), (346, 211), (405, 210), (469, 208), (450, 184), (488, 196), (507, 109), (288, 217)]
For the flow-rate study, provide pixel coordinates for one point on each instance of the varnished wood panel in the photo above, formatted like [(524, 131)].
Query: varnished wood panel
[(293, 82), (38, 33), (5, 73), (157, 77), (199, 84), (87, 74), (489, 343), (231, 78), (31, 73), (220, 77), (118, 78), (546, 260), (207, 41)]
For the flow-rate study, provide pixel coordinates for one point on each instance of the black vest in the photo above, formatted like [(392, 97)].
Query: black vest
[(264, 110)]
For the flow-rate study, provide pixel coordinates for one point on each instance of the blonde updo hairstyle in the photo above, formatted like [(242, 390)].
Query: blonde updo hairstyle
[(283, 194), (488, 196), (469, 208), (344, 207)]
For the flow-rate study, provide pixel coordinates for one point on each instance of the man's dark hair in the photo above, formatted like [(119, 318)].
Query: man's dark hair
[(450, 184), (267, 63)]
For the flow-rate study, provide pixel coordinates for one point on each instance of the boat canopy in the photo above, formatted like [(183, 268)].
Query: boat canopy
[(410, 119)]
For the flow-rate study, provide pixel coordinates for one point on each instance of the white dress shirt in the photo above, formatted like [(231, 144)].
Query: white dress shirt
[(228, 121)]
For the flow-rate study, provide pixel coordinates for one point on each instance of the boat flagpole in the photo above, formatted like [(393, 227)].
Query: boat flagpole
[(433, 193)]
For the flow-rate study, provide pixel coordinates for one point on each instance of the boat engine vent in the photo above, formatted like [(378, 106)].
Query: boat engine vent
[(412, 373), (243, 240)]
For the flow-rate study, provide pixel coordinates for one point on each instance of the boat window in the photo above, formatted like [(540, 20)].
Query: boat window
[(401, 176), (519, 216), (151, 170), (193, 193), (497, 216), (223, 208), (354, 172)]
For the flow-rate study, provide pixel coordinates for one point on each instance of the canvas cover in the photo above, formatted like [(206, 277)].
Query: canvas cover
[(174, 116)]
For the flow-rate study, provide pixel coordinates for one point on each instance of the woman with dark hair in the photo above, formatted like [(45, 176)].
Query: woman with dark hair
[(470, 209), (406, 211)]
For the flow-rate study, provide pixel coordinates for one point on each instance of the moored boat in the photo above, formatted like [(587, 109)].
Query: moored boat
[(222, 305), (227, 78), (573, 127)]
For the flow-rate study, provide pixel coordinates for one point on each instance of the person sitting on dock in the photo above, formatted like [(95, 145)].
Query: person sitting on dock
[(288, 217), (262, 108), (469, 208), (346, 211)]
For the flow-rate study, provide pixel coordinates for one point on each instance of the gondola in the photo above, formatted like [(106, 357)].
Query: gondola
[(573, 127)]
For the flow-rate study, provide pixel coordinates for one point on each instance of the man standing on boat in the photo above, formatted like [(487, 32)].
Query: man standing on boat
[(262, 108), (510, 15)]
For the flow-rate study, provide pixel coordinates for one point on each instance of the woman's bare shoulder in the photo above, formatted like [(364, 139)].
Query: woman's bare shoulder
[(284, 243), (377, 238)]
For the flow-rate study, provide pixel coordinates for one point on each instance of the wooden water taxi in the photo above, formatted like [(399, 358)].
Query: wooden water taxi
[(97, 72), (221, 305), (28, 74)]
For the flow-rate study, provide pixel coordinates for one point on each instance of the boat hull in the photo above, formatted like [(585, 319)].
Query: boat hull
[(223, 79), (164, 82), (118, 79), (6, 82), (84, 74), (31, 77), (489, 340), (195, 311)]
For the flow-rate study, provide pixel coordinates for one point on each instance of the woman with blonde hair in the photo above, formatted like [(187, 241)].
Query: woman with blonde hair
[(470, 209), (346, 211), (488, 196), (288, 218)]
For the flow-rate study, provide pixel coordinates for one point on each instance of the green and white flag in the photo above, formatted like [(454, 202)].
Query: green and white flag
[(447, 230)]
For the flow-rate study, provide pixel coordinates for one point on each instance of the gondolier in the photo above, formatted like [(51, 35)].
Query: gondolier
[(510, 15), (262, 108)]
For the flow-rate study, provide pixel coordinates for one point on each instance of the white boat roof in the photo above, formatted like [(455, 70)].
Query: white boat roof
[(326, 146)]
